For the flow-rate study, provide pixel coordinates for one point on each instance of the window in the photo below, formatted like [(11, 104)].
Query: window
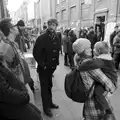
[(63, 0), (88, 1), (58, 1), (64, 14), (58, 16), (73, 13)]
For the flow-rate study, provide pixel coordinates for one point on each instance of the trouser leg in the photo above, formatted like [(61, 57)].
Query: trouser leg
[(71, 60), (46, 86), (117, 60), (99, 94), (66, 58)]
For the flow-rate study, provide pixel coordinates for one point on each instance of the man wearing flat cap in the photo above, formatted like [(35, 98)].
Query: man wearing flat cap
[(46, 53), (20, 38)]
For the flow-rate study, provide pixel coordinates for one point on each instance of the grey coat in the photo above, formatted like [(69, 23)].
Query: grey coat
[(65, 44)]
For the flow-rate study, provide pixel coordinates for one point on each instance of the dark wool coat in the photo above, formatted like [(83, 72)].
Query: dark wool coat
[(92, 36), (112, 36), (60, 39), (46, 50), (65, 40)]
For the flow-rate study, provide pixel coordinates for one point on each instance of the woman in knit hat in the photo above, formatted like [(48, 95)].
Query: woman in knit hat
[(82, 49), (91, 109)]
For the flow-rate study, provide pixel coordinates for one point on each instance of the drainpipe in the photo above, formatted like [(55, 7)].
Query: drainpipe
[(68, 7), (94, 4), (2, 9), (117, 6), (81, 13)]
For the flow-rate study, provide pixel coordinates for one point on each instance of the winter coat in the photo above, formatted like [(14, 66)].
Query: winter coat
[(21, 43), (93, 38), (12, 58), (65, 43), (46, 50), (116, 44), (72, 39), (60, 39), (17, 64), (14, 97), (112, 36), (16, 92), (99, 36)]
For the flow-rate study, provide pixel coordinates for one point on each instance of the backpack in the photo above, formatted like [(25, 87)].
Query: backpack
[(75, 88)]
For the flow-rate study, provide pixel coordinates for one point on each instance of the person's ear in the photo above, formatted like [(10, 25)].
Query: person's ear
[(98, 50)]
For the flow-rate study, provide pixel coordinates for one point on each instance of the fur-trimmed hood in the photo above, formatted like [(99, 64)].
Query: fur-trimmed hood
[(105, 56)]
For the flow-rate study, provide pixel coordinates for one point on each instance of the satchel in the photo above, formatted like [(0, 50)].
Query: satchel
[(75, 88)]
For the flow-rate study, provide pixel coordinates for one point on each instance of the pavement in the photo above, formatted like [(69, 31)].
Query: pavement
[(68, 110)]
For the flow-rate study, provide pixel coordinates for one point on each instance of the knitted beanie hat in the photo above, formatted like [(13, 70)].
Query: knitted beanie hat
[(80, 45)]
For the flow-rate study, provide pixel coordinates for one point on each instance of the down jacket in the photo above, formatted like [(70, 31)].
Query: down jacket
[(14, 98)]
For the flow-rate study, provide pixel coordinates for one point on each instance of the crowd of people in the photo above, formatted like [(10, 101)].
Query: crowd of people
[(69, 37), (100, 69), (86, 52), (16, 84)]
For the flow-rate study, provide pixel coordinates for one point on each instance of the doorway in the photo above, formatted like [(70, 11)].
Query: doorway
[(100, 22)]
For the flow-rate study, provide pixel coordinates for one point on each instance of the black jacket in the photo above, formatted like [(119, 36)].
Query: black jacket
[(60, 39), (12, 91), (112, 36), (46, 50), (107, 67), (14, 98), (92, 36)]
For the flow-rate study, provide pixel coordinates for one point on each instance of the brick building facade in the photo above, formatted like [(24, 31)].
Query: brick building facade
[(76, 13), (3, 9)]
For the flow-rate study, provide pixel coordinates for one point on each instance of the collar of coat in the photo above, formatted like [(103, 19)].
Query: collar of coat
[(51, 33), (105, 56)]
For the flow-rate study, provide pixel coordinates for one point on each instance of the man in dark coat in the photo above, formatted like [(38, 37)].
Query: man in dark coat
[(60, 40), (112, 36), (92, 36), (116, 45), (46, 53), (20, 39)]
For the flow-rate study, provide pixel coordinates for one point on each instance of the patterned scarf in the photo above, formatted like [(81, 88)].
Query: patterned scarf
[(8, 75), (52, 34)]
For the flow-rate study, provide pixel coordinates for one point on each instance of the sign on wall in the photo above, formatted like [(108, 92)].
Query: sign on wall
[(88, 1)]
